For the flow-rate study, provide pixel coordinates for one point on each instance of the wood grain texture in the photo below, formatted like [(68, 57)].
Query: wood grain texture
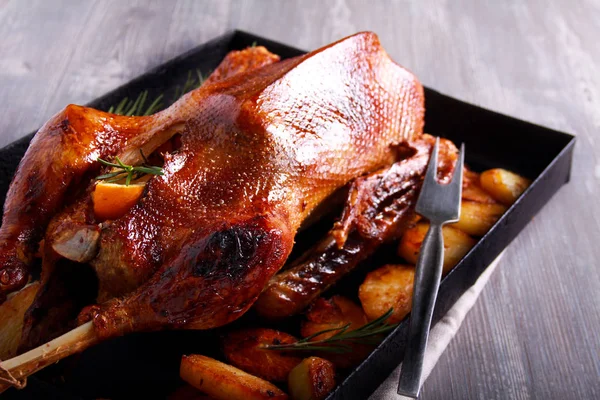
[(535, 331)]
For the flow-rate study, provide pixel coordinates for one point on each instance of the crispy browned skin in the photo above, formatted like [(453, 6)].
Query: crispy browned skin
[(259, 152), (273, 145), (241, 61), (64, 293), (378, 209), (60, 158)]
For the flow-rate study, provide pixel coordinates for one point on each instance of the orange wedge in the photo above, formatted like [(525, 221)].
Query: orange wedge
[(112, 200)]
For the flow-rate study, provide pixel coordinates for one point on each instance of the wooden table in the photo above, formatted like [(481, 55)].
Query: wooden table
[(534, 333)]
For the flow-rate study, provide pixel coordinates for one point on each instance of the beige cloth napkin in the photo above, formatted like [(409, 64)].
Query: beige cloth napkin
[(439, 336)]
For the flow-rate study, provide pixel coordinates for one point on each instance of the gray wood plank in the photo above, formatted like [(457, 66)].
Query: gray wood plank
[(534, 332)]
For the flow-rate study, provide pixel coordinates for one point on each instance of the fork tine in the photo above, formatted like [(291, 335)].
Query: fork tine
[(460, 163), (457, 175), (455, 186), (431, 174), (430, 184)]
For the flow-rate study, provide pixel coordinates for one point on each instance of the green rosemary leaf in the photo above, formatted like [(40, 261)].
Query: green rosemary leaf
[(121, 163), (154, 107), (138, 106), (108, 176), (108, 164), (143, 102), (189, 83), (149, 170), (341, 331), (201, 79), (377, 321), (128, 179), (131, 110), (314, 335), (121, 105), (129, 172), (116, 179), (369, 333)]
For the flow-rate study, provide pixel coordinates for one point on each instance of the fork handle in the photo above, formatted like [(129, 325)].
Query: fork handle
[(427, 282)]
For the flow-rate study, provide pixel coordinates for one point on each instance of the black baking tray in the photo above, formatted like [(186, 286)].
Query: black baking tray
[(146, 365)]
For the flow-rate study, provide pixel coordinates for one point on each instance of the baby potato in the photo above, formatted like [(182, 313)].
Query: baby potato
[(333, 313), (12, 312), (224, 382), (503, 185), (390, 286), (336, 313), (472, 189), (477, 218), (477, 194), (456, 243), (245, 349), (312, 379)]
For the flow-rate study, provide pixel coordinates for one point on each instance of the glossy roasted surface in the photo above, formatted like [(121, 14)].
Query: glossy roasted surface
[(260, 150), (265, 147), (73, 233)]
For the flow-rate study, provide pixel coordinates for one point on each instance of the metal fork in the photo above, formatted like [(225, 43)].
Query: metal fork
[(440, 204)]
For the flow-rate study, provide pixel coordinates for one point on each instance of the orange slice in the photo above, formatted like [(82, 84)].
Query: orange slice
[(112, 200)]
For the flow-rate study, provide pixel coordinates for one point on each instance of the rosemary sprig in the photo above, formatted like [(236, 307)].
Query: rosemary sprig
[(138, 106), (129, 107), (129, 172), (192, 82), (338, 343)]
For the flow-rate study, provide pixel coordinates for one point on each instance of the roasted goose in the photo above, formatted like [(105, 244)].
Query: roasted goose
[(262, 146)]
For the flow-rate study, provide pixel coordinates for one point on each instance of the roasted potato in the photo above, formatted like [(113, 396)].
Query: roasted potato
[(472, 190), (456, 244), (245, 349), (477, 218), (224, 382), (312, 379), (390, 286), (12, 312), (336, 313), (503, 185), (333, 313)]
